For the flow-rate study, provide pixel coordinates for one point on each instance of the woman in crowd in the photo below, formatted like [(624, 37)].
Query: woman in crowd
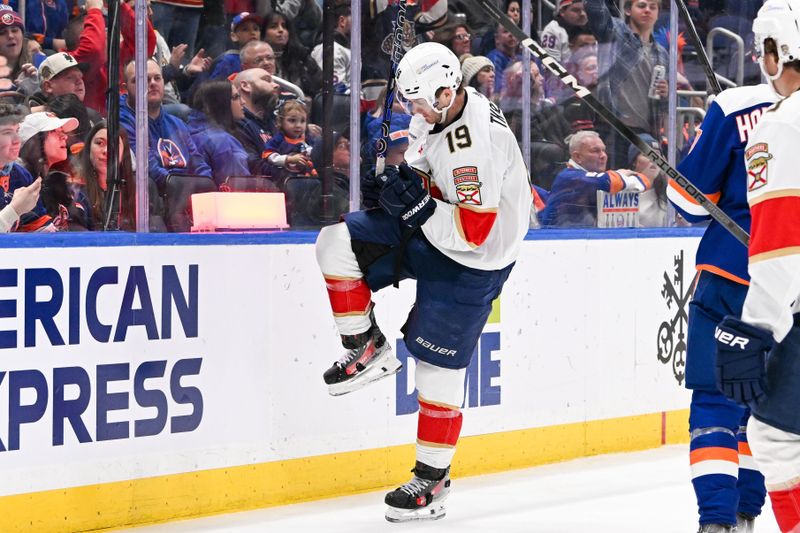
[(653, 203), (22, 58), (89, 181), (478, 73), (44, 154), (44, 142), (292, 59), (212, 124), (457, 38)]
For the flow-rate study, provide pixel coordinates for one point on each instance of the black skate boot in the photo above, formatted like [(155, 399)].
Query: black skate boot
[(368, 358), (422, 498), (717, 528), (745, 523)]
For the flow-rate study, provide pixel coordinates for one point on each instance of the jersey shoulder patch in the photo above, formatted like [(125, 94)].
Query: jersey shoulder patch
[(757, 158)]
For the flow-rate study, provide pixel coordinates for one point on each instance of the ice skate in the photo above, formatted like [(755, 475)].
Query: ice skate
[(745, 523), (368, 358), (422, 498), (717, 528)]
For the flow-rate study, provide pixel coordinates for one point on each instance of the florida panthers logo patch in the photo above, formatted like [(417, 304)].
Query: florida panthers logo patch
[(171, 155), (5, 182), (468, 188), (757, 157)]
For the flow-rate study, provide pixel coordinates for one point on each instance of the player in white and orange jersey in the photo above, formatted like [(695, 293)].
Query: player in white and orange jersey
[(758, 356), (453, 219)]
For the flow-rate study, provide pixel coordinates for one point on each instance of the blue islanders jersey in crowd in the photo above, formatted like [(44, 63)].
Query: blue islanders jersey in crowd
[(572, 201), (282, 145), (716, 166)]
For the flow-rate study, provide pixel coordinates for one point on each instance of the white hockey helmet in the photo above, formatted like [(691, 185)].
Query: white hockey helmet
[(424, 70), (778, 20)]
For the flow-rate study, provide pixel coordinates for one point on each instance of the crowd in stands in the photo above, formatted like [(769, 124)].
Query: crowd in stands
[(234, 89)]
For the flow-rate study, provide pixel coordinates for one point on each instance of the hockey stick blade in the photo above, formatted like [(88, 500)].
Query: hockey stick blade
[(397, 47), (711, 76), (586, 95)]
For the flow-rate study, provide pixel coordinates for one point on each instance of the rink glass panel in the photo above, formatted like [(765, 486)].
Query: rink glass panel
[(554, 112)]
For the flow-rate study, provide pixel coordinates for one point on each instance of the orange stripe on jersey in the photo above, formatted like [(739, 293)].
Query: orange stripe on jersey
[(713, 197), (714, 453), (775, 226), (36, 224), (645, 180), (744, 449), (616, 182), (538, 203), (474, 226), (723, 273)]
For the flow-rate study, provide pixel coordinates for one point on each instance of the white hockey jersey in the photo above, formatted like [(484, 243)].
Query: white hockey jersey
[(773, 192), (555, 41), (477, 174)]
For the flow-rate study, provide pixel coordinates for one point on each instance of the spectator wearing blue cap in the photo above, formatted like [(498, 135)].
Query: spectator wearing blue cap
[(245, 28), (398, 138)]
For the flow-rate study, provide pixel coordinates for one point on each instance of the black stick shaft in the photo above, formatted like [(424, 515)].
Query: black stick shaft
[(585, 94), (397, 55), (713, 82)]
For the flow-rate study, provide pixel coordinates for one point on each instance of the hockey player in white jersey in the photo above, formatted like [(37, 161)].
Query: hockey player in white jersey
[(453, 218), (758, 356)]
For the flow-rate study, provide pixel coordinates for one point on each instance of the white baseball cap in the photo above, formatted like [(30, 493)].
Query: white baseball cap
[(44, 121), (58, 63)]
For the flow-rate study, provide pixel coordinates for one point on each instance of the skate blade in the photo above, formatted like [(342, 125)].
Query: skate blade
[(387, 365), (434, 511)]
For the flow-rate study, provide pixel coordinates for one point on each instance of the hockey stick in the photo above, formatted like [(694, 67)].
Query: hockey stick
[(397, 47), (584, 94), (713, 82)]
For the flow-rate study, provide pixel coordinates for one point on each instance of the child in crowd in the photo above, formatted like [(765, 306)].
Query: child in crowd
[(288, 152), (245, 27)]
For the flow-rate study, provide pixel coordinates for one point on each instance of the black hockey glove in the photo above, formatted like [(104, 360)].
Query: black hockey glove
[(370, 191), (403, 196), (741, 368)]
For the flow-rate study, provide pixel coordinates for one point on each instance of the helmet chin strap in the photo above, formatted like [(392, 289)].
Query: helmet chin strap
[(445, 109), (771, 79)]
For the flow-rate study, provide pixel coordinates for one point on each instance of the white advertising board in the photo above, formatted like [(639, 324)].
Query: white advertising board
[(130, 362)]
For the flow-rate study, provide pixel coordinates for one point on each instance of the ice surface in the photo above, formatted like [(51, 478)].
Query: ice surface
[(641, 492)]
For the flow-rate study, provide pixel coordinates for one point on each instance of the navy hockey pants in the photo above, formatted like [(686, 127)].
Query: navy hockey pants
[(453, 301)]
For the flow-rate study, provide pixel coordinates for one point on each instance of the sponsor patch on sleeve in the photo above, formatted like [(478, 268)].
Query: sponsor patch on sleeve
[(757, 157)]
